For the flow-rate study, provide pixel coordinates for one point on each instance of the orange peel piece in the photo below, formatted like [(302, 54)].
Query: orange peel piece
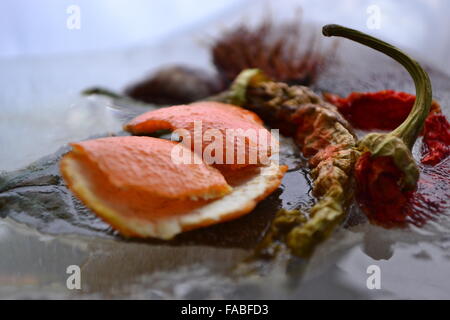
[(253, 143), (133, 184)]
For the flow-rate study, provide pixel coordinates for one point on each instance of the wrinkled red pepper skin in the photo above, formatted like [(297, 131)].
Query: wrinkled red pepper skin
[(378, 191), (386, 205), (386, 110), (436, 139)]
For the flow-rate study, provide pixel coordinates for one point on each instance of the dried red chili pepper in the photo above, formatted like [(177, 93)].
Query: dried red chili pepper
[(386, 173), (436, 139), (387, 207), (378, 192), (386, 110)]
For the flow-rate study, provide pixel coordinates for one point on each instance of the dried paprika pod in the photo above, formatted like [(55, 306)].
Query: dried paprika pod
[(323, 136), (436, 139), (387, 172), (387, 109)]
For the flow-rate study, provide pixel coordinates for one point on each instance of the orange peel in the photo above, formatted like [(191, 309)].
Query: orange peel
[(133, 184), (253, 143)]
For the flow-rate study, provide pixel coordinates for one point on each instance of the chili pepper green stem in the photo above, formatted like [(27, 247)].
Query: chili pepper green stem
[(411, 128)]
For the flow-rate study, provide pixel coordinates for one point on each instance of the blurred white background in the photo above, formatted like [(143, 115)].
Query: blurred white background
[(39, 27), (45, 65)]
